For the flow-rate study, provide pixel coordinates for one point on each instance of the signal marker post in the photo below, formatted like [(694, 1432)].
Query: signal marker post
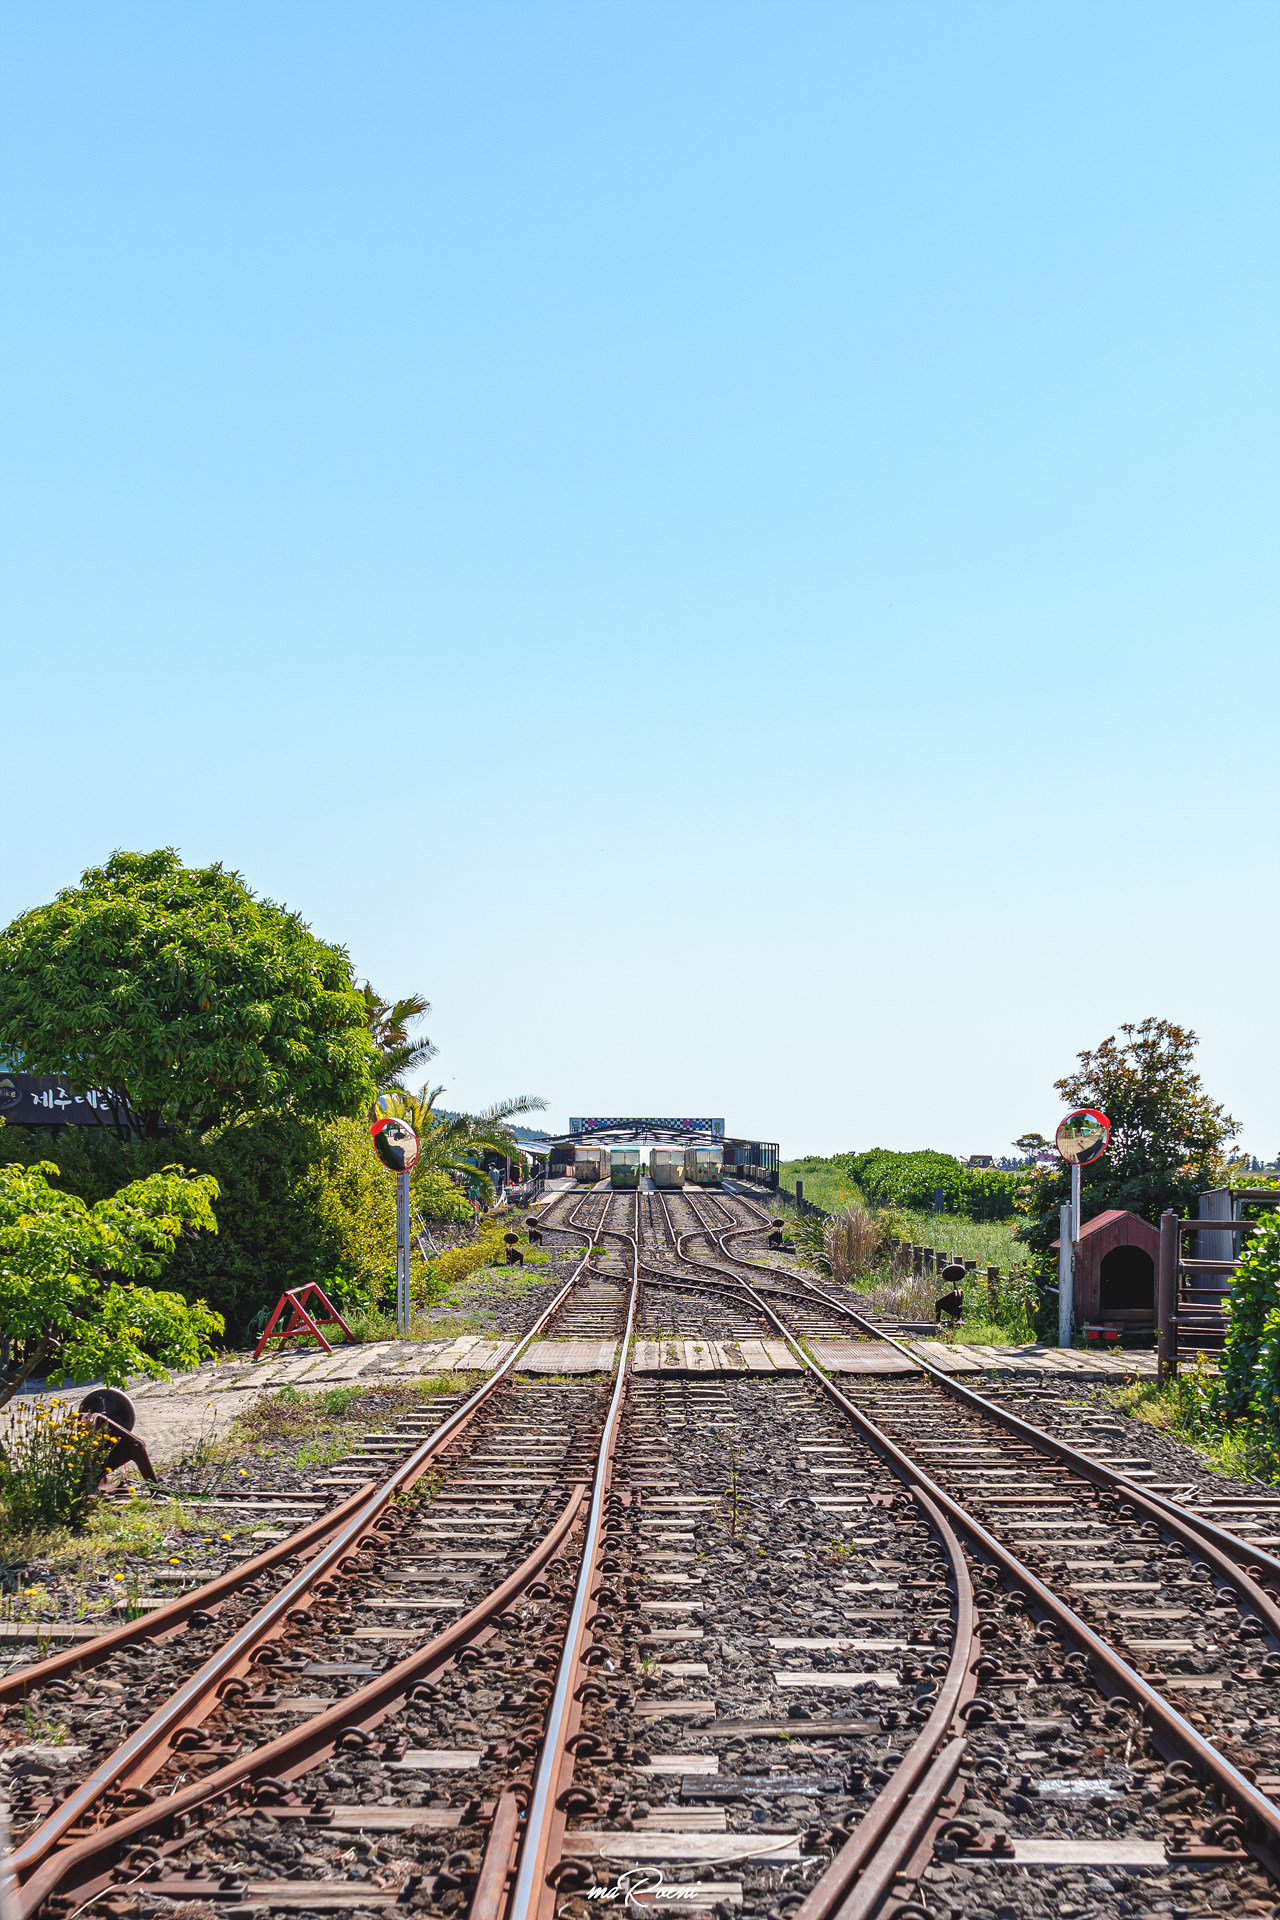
[(1081, 1138), (1066, 1273), (402, 1253), (396, 1145)]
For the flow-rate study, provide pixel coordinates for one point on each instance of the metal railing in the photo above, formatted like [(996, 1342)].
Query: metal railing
[(1192, 1293)]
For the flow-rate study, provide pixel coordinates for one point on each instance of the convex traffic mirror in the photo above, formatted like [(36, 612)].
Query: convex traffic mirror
[(395, 1143)]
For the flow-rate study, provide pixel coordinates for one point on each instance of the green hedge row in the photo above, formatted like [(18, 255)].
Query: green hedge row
[(888, 1179)]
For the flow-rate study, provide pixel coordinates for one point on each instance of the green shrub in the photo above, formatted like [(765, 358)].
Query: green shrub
[(298, 1200), (369, 1323), (1250, 1366), (437, 1197), (486, 1250), (888, 1179)]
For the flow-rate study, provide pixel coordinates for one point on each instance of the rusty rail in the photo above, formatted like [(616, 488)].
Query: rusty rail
[(1236, 1559), (890, 1827), (191, 1701), (83, 1866), (533, 1896), (862, 1871), (1260, 1816)]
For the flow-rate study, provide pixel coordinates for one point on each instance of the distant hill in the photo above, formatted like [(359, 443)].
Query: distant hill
[(521, 1133)]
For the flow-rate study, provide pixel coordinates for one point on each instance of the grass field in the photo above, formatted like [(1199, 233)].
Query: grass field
[(825, 1185), (989, 1242)]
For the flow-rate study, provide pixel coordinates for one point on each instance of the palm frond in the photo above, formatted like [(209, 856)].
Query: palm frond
[(506, 1109), (396, 1053)]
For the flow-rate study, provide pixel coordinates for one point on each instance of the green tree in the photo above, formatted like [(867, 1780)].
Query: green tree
[(66, 1273), (396, 1052), (182, 998), (1168, 1138), (1031, 1144)]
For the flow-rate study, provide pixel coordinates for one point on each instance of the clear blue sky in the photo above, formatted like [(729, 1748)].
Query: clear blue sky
[(731, 545)]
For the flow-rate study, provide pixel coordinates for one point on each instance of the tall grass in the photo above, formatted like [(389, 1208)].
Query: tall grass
[(989, 1242), (368, 1324), (995, 1314), (852, 1243)]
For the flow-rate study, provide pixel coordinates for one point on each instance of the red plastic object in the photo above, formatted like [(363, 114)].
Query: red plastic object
[(301, 1322), (1109, 1334)]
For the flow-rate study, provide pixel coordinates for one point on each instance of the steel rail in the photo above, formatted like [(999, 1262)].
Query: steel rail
[(876, 1883), (890, 1828), (195, 1696), (1258, 1812), (83, 1861), (1222, 1551), (1236, 1560), (162, 1620), (490, 1897), (1260, 1816), (532, 1897)]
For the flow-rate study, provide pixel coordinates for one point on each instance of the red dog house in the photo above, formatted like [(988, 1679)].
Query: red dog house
[(1115, 1280)]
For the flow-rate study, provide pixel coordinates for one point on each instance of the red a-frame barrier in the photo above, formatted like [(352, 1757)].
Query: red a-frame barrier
[(301, 1321)]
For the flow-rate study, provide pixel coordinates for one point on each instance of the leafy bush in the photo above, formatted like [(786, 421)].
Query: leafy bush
[(1168, 1138), (298, 1200), (50, 1464), (1250, 1366), (68, 1274), (437, 1197), (454, 1265), (183, 998), (888, 1179)]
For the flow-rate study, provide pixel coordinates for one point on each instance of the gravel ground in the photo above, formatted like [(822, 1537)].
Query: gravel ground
[(1057, 1410), (773, 1620)]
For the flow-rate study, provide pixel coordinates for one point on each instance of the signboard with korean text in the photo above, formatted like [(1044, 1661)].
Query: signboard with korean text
[(43, 1100)]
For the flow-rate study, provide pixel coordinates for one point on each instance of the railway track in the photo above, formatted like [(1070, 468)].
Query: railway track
[(797, 1647)]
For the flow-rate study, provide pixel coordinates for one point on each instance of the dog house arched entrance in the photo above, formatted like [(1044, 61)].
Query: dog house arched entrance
[(1126, 1281)]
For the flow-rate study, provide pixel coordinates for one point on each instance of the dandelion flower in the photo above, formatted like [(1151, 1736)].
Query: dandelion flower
[(118, 1576)]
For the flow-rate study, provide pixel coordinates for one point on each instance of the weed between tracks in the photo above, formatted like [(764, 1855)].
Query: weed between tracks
[(997, 1312), (128, 1547), (288, 1414), (911, 1297)]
